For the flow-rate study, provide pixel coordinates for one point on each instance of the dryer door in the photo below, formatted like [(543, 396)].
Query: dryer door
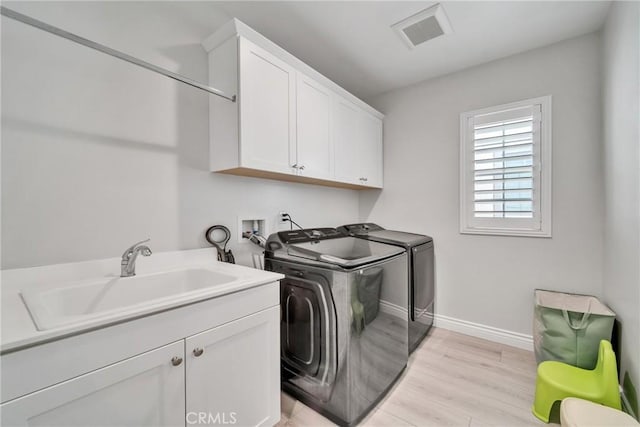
[(422, 293)]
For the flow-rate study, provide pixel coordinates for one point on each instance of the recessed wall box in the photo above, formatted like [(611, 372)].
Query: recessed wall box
[(254, 224)]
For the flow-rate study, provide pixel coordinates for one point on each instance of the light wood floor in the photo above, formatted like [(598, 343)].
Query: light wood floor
[(451, 380)]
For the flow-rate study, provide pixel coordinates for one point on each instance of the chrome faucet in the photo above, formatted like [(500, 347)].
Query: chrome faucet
[(128, 263)]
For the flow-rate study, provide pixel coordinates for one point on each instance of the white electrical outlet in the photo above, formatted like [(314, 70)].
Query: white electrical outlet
[(282, 221)]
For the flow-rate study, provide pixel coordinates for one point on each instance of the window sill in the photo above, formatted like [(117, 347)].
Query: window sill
[(507, 232)]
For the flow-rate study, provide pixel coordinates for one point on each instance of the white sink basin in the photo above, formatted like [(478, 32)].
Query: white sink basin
[(105, 297)]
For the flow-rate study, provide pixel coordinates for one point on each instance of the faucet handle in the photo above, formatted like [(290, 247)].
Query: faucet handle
[(132, 247)]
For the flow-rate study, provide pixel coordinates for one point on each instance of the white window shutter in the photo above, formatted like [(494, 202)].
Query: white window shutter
[(502, 189)]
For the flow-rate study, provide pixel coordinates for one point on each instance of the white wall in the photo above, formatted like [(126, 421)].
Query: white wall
[(621, 100), (97, 153), (485, 279)]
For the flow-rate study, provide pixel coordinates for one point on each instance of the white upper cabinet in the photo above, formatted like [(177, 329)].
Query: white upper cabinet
[(358, 145), (289, 122), (267, 110), (313, 121), (346, 141), (371, 154)]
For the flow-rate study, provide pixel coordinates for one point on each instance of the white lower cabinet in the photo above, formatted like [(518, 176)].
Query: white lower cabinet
[(233, 372), (226, 375), (145, 390)]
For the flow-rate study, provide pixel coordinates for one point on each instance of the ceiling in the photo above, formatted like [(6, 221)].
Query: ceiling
[(352, 42)]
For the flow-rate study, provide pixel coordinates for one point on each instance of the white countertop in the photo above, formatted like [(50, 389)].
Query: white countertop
[(18, 329)]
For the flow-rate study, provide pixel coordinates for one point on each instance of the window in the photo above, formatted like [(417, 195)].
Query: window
[(505, 169)]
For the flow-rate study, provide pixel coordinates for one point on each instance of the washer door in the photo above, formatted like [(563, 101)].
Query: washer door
[(301, 328), (307, 333)]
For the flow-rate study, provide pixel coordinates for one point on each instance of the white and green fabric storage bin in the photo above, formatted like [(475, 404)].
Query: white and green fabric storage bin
[(568, 327)]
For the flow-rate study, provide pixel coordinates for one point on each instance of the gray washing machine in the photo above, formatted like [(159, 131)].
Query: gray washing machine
[(421, 273), (344, 322)]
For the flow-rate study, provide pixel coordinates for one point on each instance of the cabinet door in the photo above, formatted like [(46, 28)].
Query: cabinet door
[(145, 390), (371, 150), (313, 124), (346, 137), (267, 110), (358, 145), (233, 372)]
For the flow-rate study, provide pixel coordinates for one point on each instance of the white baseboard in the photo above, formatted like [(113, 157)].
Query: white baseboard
[(502, 336), (393, 310), (626, 406)]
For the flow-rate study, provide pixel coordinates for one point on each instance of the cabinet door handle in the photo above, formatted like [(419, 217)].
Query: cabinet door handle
[(176, 361), (295, 166), (301, 167), (197, 352)]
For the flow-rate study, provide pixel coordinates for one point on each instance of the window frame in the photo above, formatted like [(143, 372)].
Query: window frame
[(542, 158)]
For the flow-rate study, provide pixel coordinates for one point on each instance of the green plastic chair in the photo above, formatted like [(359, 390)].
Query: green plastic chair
[(557, 380)]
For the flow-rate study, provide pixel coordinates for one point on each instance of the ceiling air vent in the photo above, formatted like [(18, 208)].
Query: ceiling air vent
[(424, 25)]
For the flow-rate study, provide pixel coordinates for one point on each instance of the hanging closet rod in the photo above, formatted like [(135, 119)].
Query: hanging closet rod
[(104, 49)]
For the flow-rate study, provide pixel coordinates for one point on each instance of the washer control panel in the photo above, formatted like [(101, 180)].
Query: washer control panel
[(363, 228), (308, 235)]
